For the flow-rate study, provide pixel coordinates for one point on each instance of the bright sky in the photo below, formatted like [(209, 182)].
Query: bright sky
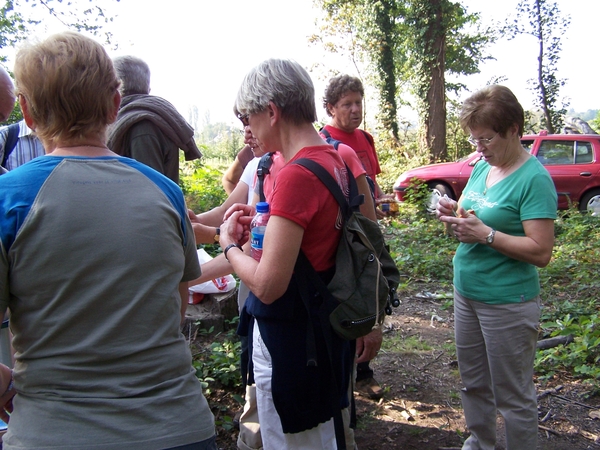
[(199, 50)]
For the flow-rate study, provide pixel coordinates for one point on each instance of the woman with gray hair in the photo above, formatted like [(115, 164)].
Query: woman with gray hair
[(298, 397)]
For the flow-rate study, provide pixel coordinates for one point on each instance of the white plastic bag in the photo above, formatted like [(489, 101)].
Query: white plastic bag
[(216, 286)]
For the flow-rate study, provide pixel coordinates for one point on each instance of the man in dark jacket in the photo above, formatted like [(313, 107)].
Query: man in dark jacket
[(149, 128)]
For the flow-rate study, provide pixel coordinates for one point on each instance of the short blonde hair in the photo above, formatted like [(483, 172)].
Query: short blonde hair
[(69, 83)]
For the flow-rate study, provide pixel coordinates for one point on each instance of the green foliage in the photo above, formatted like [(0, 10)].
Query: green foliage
[(417, 194), (12, 26), (407, 346), (220, 141), (581, 356), (15, 116), (595, 123), (220, 363), (18, 18), (201, 185), (420, 246), (406, 44), (422, 250), (570, 288), (570, 283)]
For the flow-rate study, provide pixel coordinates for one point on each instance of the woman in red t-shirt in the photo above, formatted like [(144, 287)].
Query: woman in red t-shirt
[(296, 401)]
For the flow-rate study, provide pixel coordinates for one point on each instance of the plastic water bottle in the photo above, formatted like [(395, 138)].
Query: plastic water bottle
[(257, 229)]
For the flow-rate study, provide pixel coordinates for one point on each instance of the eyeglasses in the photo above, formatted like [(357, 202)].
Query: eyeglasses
[(484, 141), (244, 119)]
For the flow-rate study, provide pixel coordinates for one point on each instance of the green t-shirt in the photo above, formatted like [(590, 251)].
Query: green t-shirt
[(482, 273)]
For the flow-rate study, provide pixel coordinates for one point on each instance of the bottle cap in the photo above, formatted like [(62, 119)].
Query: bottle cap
[(262, 207)]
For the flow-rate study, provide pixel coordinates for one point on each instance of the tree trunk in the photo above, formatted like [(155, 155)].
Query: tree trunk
[(388, 111), (435, 119)]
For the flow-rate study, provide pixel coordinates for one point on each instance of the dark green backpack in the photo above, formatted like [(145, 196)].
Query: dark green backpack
[(364, 284)]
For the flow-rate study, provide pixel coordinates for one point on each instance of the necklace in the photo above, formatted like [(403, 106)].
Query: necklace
[(505, 172)]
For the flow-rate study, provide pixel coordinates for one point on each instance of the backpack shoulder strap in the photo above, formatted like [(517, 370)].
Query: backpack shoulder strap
[(325, 133), (264, 168), (356, 199), (327, 136), (11, 141)]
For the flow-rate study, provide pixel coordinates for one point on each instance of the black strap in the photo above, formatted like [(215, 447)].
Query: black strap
[(12, 137), (264, 168), (329, 139), (303, 266), (356, 199)]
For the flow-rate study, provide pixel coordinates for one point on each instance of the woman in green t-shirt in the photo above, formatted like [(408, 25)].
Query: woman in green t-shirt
[(505, 224)]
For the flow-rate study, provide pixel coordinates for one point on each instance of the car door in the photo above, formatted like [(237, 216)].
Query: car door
[(571, 164)]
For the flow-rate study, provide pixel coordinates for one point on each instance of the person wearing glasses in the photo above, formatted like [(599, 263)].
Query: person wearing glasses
[(504, 222), (297, 398), (96, 251)]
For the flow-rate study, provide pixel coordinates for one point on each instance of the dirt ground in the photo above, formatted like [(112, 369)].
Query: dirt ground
[(421, 407)]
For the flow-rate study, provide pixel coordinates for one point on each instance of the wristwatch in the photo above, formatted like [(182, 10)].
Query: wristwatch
[(217, 235), (490, 237)]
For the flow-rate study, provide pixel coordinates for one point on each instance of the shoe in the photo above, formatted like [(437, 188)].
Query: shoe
[(369, 387)]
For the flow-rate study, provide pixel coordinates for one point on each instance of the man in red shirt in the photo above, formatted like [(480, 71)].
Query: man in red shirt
[(343, 101)]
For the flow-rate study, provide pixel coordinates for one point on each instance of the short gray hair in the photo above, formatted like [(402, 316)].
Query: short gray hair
[(283, 82), (134, 75)]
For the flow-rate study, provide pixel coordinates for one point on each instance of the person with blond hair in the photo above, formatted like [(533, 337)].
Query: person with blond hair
[(96, 254)]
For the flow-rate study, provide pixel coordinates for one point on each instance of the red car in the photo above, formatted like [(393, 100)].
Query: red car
[(573, 161)]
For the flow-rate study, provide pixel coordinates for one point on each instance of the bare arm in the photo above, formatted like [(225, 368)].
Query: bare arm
[(367, 208), (533, 248), (215, 268), (214, 217), (232, 175)]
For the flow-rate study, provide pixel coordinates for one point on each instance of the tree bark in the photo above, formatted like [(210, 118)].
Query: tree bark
[(435, 119)]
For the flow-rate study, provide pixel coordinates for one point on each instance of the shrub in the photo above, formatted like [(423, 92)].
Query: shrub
[(201, 186)]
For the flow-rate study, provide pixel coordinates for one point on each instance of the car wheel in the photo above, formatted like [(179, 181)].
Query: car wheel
[(437, 191), (590, 202)]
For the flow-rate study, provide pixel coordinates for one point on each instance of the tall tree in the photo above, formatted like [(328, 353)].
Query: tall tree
[(413, 42), (542, 19), (385, 12)]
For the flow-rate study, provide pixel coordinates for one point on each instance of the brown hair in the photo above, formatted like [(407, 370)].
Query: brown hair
[(69, 84), (494, 107), (338, 87)]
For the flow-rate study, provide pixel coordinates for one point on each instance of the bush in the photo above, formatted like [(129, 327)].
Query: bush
[(201, 186), (220, 361)]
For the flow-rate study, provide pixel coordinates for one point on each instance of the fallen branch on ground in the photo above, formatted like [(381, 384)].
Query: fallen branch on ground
[(554, 342)]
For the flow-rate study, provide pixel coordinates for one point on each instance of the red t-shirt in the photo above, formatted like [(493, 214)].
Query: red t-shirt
[(361, 145), (347, 153), (299, 196)]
